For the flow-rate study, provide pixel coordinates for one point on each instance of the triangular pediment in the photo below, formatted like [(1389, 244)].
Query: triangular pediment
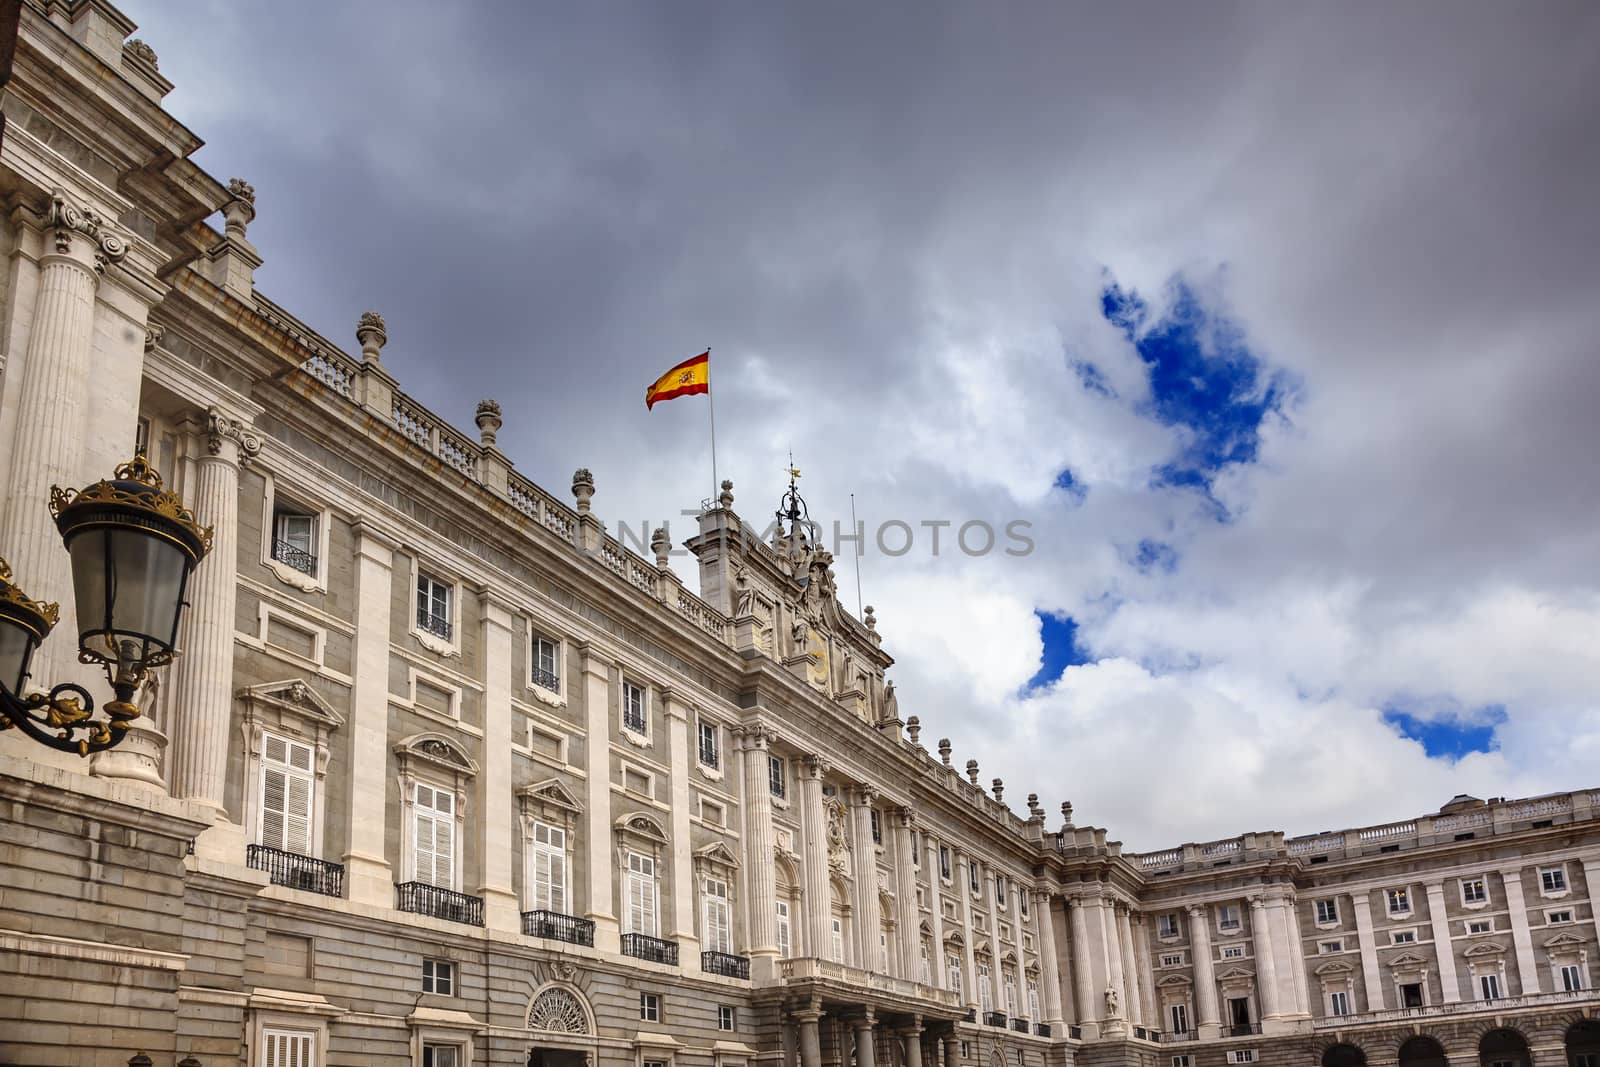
[(1484, 948), (1410, 959), (1173, 980), (294, 695), (1334, 967), (552, 792), (1236, 974), (1565, 940), (718, 854)]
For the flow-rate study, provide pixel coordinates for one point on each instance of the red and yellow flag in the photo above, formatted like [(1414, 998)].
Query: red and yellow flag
[(688, 378)]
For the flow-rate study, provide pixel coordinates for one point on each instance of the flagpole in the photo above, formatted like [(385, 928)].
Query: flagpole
[(711, 404), (855, 529)]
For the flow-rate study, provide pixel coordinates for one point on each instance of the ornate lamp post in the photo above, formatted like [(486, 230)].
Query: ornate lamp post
[(133, 547)]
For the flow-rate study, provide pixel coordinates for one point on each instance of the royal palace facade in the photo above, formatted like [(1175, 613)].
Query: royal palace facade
[(449, 776)]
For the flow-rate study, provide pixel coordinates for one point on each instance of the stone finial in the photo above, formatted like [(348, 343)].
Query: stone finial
[(1066, 812), (372, 334), (726, 498), (489, 421), (661, 545), (999, 788), (142, 52), (972, 771), (914, 728), (189, 1061), (139, 1059), (238, 212), (1034, 810), (869, 618), (582, 489), (944, 750)]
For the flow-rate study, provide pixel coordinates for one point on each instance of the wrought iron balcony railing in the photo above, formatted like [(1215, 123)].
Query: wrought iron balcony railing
[(558, 927), (1141, 1033), (651, 949), (725, 964), (1041, 1029), (994, 1018), (1075, 1032), (294, 556), (1019, 1025), (1177, 1035), (546, 679), (971, 1016), (437, 625), (708, 754), (1243, 1029), (296, 871), (423, 899)]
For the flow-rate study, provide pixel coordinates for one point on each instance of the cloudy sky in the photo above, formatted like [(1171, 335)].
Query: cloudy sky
[(1276, 322)]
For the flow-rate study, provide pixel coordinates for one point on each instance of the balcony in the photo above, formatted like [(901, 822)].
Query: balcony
[(725, 964), (650, 949), (1075, 1033), (1242, 1029), (420, 898), (297, 872), (1041, 1029), (545, 679), (971, 1016), (995, 1018), (1499, 1004), (295, 557), (558, 927), (887, 987), (1142, 1034), (437, 625), (1176, 1035), (1019, 1025)]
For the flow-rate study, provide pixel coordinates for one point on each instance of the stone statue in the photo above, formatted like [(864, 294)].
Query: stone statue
[(1113, 1008), (743, 598), (891, 703)]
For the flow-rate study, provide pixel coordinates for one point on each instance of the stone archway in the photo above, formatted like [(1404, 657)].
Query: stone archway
[(1583, 1040), (1422, 1052), (1343, 1056), (1504, 1048)]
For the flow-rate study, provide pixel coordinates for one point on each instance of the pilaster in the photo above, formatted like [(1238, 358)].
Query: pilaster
[(370, 878), (1444, 951), (1521, 936), (930, 858), (595, 674), (1266, 963), (758, 859), (970, 986), (1130, 975), (684, 890), (868, 921), (1205, 973), (496, 812), (905, 895), (1361, 904)]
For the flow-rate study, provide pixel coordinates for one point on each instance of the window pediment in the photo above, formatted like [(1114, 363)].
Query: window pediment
[(954, 938), (716, 855), (638, 824), (1236, 974), (1334, 969), (437, 751), (1172, 981), (293, 697), (1481, 950), (1565, 942), (550, 793)]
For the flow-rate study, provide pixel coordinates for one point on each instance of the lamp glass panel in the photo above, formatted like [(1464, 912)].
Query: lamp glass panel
[(16, 648), (129, 586)]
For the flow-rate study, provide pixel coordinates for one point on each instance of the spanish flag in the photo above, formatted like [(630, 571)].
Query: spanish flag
[(688, 378)]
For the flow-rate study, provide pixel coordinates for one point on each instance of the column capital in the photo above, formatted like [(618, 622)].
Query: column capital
[(229, 438), (80, 236), (813, 767), (1195, 911), (863, 1021), (805, 1015), (1257, 903), (905, 816), (757, 736), (862, 795)]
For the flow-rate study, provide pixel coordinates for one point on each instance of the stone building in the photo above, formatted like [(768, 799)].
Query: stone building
[(450, 776)]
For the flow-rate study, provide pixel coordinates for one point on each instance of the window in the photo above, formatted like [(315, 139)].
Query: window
[(927, 967), (1339, 1003), (287, 785), (288, 1048), (838, 939), (1022, 903), (972, 876), (944, 863), (1011, 996), (1480, 926), (719, 918), (1328, 911), (1172, 959), (775, 778), (1489, 986), (1553, 879), (952, 966), (1000, 892), (883, 951), (1571, 978), (985, 988), (438, 976), (966, 1049), (294, 539), (1411, 995), (545, 668), (1399, 901), (877, 827), (633, 716), (1403, 937), (916, 852), (1167, 925), (1473, 891), (1243, 1055), (1325, 947), (1178, 1015), (650, 1007), (1033, 999), (726, 1017), (1233, 952), (1228, 917), (1182, 1061), (548, 863), (434, 842), (433, 605), (641, 895), (782, 908), (710, 751), (1555, 918), (439, 1056)]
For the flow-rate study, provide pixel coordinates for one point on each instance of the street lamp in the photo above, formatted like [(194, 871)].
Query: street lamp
[(133, 546)]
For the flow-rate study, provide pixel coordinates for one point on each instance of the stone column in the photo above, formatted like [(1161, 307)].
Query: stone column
[(1290, 915), (367, 871), (595, 672), (1112, 949), (684, 890), (810, 1039), (1089, 1009), (868, 921), (1361, 904), (51, 418), (1043, 903), (758, 858), (862, 1025), (203, 699), (1591, 879), (1443, 949), (1266, 966), (952, 1052), (969, 961), (1205, 974), (496, 809), (997, 972), (1521, 937), (905, 895), (930, 861), (1130, 974), (1142, 963), (813, 819), (912, 1036)]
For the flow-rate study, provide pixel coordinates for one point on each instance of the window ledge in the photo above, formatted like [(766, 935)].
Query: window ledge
[(635, 739), (300, 580), (544, 696), (1560, 894), (713, 773), (1330, 926), (1475, 905), (435, 644)]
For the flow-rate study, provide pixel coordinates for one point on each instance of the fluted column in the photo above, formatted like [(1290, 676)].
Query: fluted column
[(1088, 1013), (1111, 945), (1266, 966), (367, 872), (1142, 963), (763, 948), (818, 912), (51, 417), (203, 698), (905, 894), (1205, 973), (1044, 917), (496, 814), (1130, 973), (969, 986), (868, 921)]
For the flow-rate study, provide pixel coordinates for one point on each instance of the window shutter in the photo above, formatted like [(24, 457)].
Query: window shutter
[(288, 1048), (435, 837), (287, 788)]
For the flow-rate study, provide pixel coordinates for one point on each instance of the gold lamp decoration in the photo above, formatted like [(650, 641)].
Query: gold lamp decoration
[(133, 546)]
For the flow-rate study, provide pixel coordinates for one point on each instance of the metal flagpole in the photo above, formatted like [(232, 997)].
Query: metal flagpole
[(711, 403), (855, 529)]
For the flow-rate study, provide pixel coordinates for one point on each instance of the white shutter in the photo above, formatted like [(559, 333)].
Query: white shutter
[(784, 948), (719, 928), (641, 895), (435, 836), (549, 868), (288, 1048), (287, 787)]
